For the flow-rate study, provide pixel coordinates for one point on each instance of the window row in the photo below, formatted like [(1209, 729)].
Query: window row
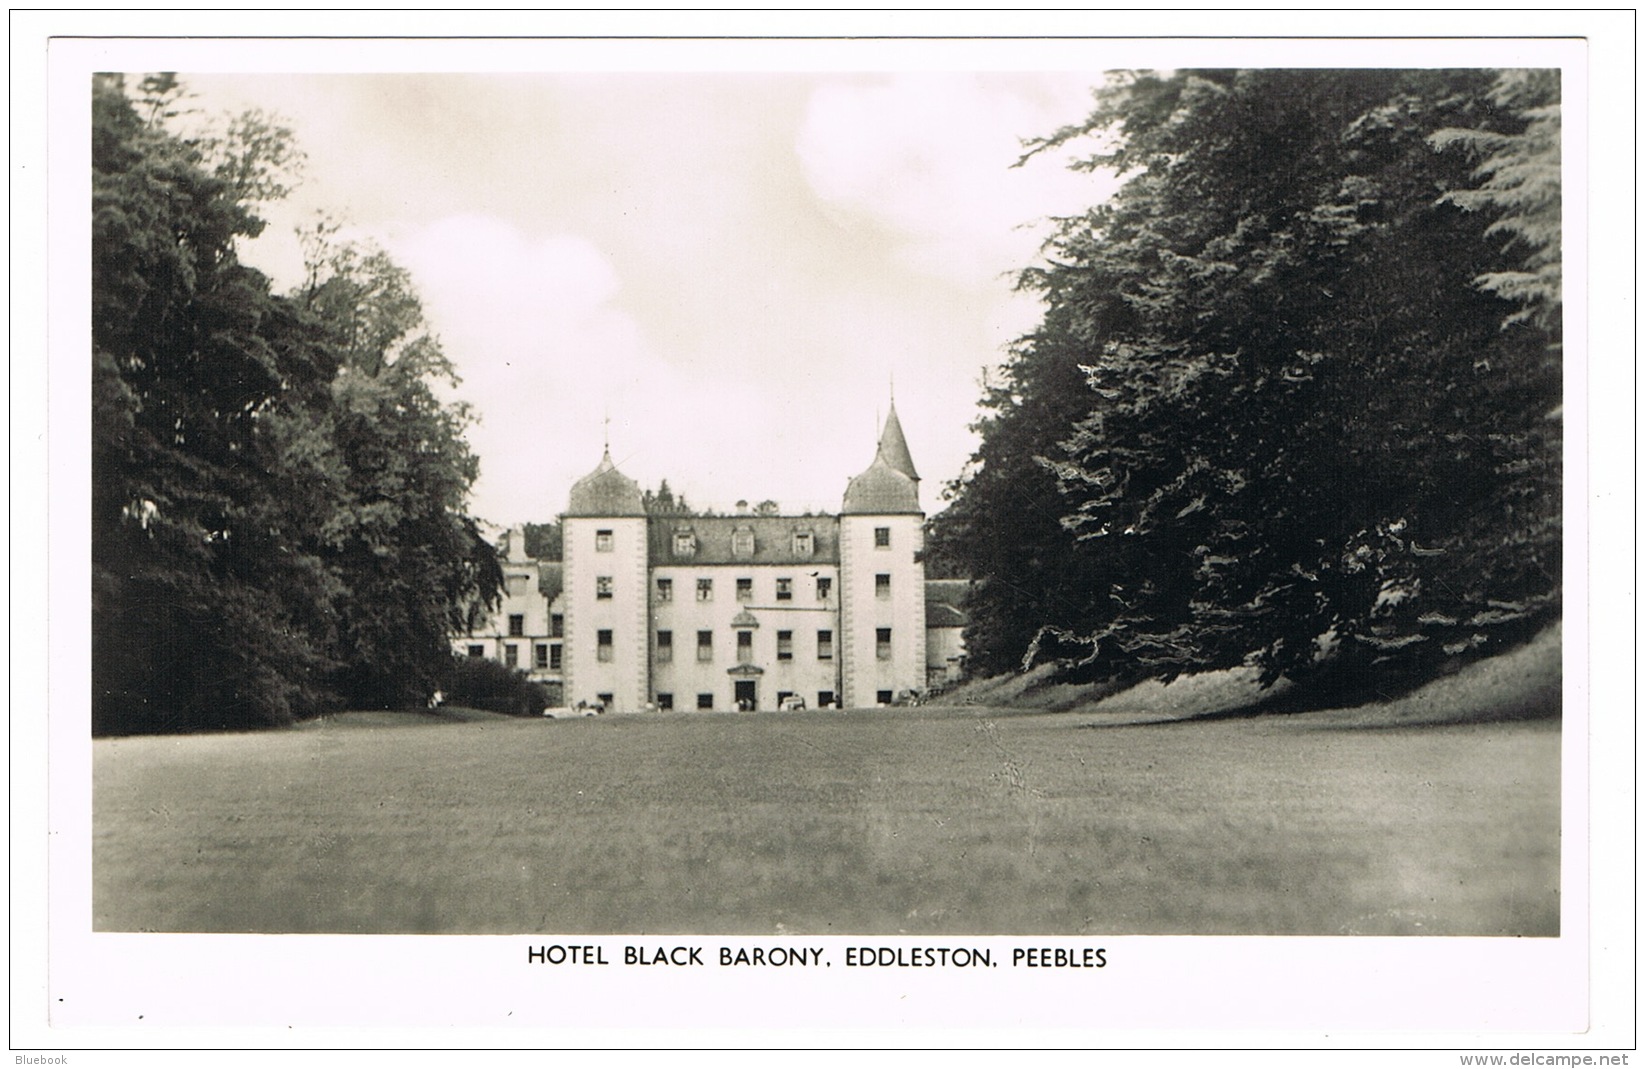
[(745, 646), (548, 656), (801, 543), (744, 588), (516, 625), (705, 700)]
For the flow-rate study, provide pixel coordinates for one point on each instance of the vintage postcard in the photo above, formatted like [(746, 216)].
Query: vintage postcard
[(1076, 537)]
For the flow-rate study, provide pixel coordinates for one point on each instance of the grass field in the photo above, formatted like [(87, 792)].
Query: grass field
[(961, 820)]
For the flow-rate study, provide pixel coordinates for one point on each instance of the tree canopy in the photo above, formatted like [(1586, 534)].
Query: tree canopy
[(1294, 399), (278, 495)]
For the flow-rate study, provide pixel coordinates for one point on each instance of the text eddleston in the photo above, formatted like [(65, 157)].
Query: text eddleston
[(918, 957)]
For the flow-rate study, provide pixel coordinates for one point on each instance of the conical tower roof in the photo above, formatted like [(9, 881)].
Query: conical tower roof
[(881, 491), (890, 486), (894, 447), (605, 491)]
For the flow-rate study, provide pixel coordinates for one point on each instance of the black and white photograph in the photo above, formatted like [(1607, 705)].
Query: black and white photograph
[(652, 528)]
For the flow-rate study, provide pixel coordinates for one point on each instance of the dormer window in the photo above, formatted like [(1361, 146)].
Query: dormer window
[(742, 542), (685, 544), (804, 544)]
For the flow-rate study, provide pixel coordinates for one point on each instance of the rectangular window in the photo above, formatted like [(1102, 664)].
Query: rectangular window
[(555, 657), (825, 645), (540, 655), (705, 645), (705, 590), (785, 645), (705, 701), (665, 590), (685, 544), (602, 541), (602, 587), (883, 697), (742, 543), (882, 538), (511, 655), (516, 625), (606, 702), (665, 702), (665, 647), (476, 651), (882, 585), (785, 590), (825, 587), (825, 698), (803, 544), (602, 645), (556, 626), (745, 590), (882, 643), (745, 646)]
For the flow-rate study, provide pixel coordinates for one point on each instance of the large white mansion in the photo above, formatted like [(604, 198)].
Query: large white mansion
[(726, 612)]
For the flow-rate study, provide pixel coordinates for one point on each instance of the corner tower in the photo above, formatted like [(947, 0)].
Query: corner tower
[(882, 580), (607, 655)]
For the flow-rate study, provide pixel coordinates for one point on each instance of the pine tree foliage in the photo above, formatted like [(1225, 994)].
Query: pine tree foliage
[(1519, 183), (1302, 436)]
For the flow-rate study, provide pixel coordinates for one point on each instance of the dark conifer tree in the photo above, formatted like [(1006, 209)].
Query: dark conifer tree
[(1306, 436)]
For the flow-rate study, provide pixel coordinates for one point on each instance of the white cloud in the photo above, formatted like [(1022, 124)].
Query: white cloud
[(728, 266), (931, 158), (531, 327)]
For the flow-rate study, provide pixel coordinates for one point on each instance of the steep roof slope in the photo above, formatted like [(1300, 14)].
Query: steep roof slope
[(605, 491)]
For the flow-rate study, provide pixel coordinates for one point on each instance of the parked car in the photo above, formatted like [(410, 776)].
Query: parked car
[(580, 709)]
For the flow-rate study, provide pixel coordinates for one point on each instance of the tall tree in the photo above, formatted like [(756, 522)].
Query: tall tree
[(411, 561), (1519, 186), (1003, 528), (204, 613), (277, 504), (1306, 440)]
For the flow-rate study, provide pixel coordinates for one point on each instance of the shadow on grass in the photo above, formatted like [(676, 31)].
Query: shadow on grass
[(1524, 683)]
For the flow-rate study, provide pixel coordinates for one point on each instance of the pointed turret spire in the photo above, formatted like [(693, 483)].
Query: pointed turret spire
[(890, 486), (894, 447)]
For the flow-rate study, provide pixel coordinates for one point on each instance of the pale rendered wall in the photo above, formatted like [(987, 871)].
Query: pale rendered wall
[(625, 614), (685, 677), (863, 612)]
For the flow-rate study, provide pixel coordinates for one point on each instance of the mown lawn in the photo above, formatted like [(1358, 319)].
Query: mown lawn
[(966, 821)]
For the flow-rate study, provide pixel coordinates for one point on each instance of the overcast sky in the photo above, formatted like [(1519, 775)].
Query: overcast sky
[(733, 266)]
